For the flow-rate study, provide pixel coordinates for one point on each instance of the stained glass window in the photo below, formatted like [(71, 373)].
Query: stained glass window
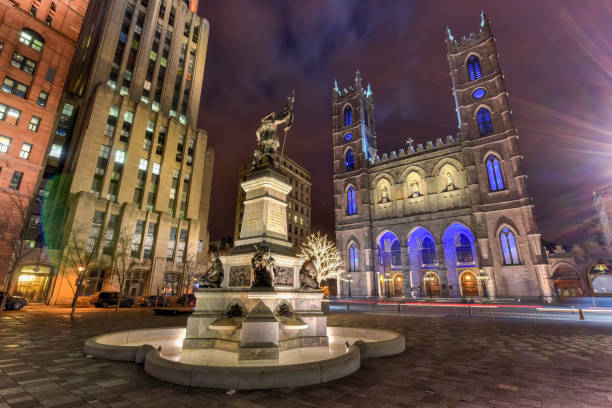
[(509, 248), (348, 116), (496, 181), (485, 126), (350, 160), (473, 67), (351, 201)]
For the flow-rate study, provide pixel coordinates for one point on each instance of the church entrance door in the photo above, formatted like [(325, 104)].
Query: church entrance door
[(398, 285), (432, 284), (469, 284)]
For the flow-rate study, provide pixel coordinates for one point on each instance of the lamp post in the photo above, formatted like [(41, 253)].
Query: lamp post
[(483, 278)]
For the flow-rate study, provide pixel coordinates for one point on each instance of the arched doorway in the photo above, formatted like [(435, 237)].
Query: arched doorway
[(432, 284), (469, 284), (599, 275), (567, 281), (602, 285), (398, 285)]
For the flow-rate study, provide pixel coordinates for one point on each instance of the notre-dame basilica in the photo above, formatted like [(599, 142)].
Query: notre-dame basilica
[(451, 218)]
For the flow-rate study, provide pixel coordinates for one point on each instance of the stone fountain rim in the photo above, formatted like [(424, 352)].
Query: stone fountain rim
[(245, 377)]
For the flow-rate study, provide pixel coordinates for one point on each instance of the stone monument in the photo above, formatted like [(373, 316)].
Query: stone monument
[(260, 306)]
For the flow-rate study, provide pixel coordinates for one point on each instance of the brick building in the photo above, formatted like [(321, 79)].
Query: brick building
[(37, 41), (451, 218), (298, 200), (127, 158)]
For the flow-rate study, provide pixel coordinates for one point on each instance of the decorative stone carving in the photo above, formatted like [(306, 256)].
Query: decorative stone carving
[(240, 276), (308, 276), (262, 268), (284, 276), (213, 277)]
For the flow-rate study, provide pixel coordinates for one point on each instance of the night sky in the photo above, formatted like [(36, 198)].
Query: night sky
[(556, 57)]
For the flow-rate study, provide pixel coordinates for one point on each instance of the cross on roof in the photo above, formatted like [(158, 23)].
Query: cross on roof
[(409, 141)]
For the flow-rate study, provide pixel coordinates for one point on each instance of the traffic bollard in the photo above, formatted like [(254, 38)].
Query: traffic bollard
[(580, 314), (399, 308), (470, 310), (347, 306)]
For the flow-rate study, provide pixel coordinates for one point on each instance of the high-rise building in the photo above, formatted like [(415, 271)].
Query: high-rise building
[(37, 42), (298, 200), (127, 160), (449, 218)]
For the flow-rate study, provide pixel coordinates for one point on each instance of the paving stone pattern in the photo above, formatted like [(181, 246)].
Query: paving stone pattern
[(450, 362)]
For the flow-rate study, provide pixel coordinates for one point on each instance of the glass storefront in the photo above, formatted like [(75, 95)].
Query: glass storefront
[(32, 282)]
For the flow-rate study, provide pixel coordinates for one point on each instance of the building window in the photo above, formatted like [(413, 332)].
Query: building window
[(26, 148), (180, 147), (354, 258), (111, 121), (16, 180), (96, 185), (16, 88), (34, 123), (180, 247), (428, 251), (485, 126), (161, 140), (148, 243), (23, 63), (42, 98), (396, 253), (348, 116), (137, 239), (464, 249), (56, 151), (5, 142), (148, 139), (350, 160), (509, 248), (351, 202), (10, 112), (32, 39), (33, 11), (496, 181), (171, 245), (49, 19), (473, 67), (126, 128)]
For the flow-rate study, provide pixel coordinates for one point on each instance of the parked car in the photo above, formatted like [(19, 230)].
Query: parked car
[(155, 301), (191, 300), (106, 299), (13, 302)]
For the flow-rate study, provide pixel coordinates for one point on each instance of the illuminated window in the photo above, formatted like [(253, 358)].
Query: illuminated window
[(34, 123), (32, 39), (473, 67), (509, 248), (143, 164), (42, 98), (350, 160), (120, 156), (5, 142), (23, 63), (15, 87), (354, 258), (56, 151), (485, 126), (351, 201), (156, 168), (10, 112), (26, 148), (496, 181), (348, 116)]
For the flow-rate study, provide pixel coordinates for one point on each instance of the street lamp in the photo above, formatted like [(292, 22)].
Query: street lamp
[(349, 279), (483, 278)]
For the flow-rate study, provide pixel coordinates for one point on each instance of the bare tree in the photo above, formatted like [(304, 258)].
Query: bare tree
[(81, 253), (15, 212), (193, 263), (122, 260), (323, 254)]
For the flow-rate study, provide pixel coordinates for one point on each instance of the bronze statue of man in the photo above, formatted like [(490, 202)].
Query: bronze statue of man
[(267, 135)]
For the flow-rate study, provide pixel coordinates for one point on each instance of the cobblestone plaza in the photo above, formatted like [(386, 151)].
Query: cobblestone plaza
[(450, 361)]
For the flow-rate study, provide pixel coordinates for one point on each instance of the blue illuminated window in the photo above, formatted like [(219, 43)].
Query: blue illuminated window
[(396, 253), (351, 201), (479, 93), (348, 116), (350, 160), (485, 126), (348, 137), (496, 181), (473, 67), (509, 249), (354, 258), (428, 251), (464, 249)]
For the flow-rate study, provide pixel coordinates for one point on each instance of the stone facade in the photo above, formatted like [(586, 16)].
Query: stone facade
[(451, 218)]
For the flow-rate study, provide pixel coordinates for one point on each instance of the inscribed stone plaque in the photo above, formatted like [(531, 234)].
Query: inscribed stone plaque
[(284, 276), (275, 221), (240, 276)]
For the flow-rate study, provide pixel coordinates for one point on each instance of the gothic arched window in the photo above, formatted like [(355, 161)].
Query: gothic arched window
[(379, 254), (32, 39), (351, 202), (428, 251), (496, 181), (348, 115), (464, 249), (473, 68), (485, 126), (350, 160), (509, 248), (354, 258), (396, 253)]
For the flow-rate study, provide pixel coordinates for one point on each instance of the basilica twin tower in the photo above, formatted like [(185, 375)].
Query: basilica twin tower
[(449, 219)]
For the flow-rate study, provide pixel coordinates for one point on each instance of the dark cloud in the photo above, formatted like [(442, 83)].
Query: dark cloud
[(556, 57)]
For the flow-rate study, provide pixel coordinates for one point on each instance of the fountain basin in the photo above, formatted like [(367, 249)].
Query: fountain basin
[(213, 368)]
